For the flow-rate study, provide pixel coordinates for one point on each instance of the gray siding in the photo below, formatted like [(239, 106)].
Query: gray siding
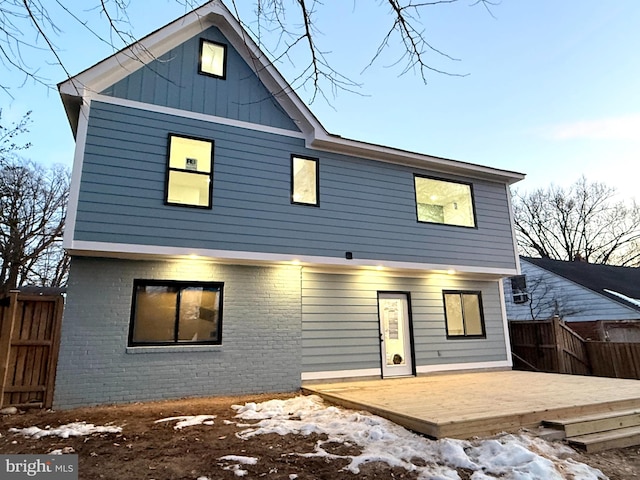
[(366, 207), (340, 326), (574, 302), (261, 342), (172, 80)]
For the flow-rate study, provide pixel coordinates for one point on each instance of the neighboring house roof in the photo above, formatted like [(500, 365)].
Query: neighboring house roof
[(620, 284), (95, 79)]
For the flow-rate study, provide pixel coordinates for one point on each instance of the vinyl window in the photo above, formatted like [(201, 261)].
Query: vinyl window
[(304, 181), (189, 172), (176, 313), (444, 202), (463, 314), (213, 59)]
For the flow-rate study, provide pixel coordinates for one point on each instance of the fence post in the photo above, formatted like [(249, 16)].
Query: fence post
[(558, 340), (6, 335)]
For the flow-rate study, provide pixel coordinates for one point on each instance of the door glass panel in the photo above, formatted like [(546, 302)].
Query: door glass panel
[(395, 334), (392, 311)]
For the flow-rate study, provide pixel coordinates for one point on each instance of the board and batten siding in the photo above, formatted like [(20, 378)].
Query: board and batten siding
[(575, 302), (173, 81), (366, 207), (340, 326)]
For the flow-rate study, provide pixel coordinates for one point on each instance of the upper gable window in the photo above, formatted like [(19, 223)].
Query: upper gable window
[(190, 172), (213, 59), (444, 201), (304, 180)]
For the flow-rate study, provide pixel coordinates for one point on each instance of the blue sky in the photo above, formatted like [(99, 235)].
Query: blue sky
[(553, 87)]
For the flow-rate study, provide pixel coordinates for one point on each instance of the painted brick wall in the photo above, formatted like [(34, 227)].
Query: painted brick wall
[(261, 335)]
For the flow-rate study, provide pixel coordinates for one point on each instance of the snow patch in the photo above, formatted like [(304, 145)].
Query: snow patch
[(188, 420), (634, 301), (505, 456), (76, 429), (240, 459)]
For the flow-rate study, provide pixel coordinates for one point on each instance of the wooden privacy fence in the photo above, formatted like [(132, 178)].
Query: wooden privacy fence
[(551, 346), (548, 346), (29, 342), (611, 359)]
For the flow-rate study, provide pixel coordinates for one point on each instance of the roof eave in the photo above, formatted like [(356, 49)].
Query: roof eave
[(336, 144)]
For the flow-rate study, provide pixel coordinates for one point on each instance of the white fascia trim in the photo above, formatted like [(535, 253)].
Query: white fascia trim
[(513, 229), (135, 56), (76, 175), (365, 372), (329, 143), (194, 115), (111, 70), (505, 322), (135, 251), (448, 367)]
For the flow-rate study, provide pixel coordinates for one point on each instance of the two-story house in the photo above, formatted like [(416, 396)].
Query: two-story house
[(224, 242)]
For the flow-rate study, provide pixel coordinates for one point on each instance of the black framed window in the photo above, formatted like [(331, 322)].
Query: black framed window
[(166, 312), (189, 172), (444, 201), (463, 314), (305, 188), (213, 59)]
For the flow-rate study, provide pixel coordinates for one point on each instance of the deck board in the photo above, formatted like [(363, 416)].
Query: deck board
[(463, 405)]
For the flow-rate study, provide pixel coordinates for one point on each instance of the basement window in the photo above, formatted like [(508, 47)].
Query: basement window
[(176, 313), (213, 59), (189, 172), (444, 202), (463, 314)]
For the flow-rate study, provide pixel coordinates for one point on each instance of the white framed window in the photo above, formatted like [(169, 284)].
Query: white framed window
[(519, 289), (444, 201)]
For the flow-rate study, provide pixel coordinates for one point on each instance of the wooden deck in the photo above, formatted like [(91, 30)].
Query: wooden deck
[(463, 405)]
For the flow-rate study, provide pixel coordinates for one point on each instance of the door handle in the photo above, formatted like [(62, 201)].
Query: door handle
[(381, 337)]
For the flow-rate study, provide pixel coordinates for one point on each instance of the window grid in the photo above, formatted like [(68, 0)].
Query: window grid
[(189, 178)]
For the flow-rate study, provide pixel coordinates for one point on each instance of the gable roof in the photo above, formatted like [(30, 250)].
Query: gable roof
[(214, 13), (620, 284)]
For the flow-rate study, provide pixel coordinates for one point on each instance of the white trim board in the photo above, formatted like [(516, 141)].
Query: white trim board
[(450, 367), (114, 68), (195, 115), (150, 252)]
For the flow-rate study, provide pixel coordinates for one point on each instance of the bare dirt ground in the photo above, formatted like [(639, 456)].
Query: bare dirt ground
[(148, 450)]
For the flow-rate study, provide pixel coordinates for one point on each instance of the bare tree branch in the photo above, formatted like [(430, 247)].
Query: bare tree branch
[(584, 221), (28, 25)]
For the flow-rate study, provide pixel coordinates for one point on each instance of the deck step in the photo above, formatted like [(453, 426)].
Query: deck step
[(595, 442), (602, 422)]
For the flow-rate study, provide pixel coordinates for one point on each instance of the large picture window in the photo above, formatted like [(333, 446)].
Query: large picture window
[(463, 314), (304, 181), (190, 172), (444, 201), (213, 59), (176, 313)]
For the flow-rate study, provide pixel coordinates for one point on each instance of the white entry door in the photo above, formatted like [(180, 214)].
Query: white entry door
[(395, 335)]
